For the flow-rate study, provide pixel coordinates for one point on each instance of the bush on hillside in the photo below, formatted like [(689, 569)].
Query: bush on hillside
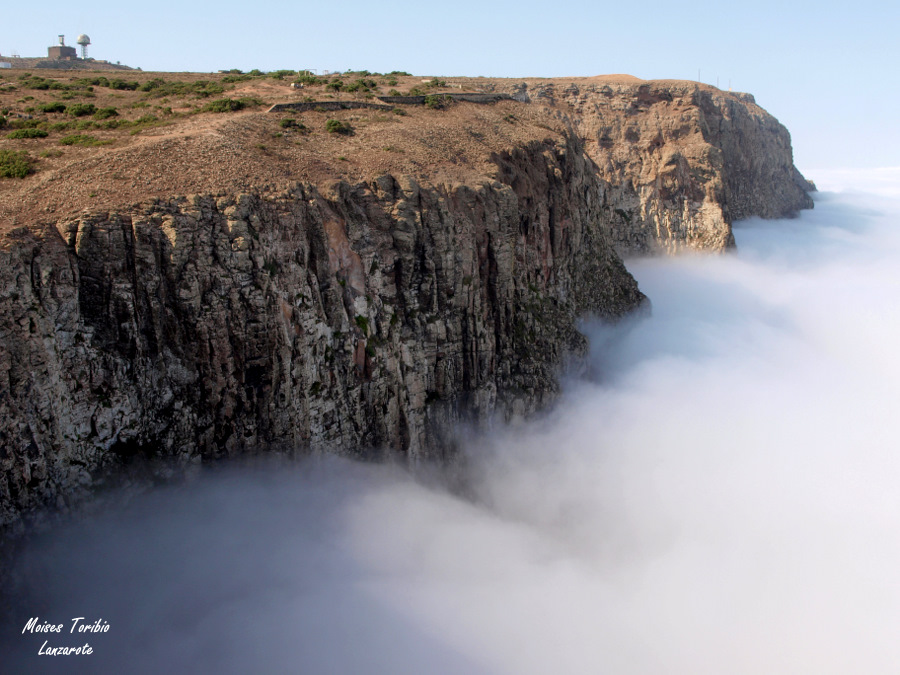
[(15, 164), (81, 109), (27, 133), (334, 126)]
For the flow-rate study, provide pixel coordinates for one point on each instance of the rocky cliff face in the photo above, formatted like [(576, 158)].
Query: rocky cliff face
[(682, 160), (364, 315), (345, 317)]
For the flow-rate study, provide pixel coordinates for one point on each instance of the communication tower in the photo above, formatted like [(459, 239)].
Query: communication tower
[(84, 41)]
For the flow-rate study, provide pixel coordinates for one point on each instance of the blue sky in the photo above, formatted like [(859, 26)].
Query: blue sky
[(828, 72)]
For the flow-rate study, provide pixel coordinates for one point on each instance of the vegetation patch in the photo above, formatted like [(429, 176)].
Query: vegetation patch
[(224, 105), (105, 113), (43, 84), (159, 88), (27, 133), (363, 324), (305, 77), (334, 126), (362, 85), (437, 101), (81, 109), (83, 140), (54, 107), (15, 164), (25, 123), (117, 83)]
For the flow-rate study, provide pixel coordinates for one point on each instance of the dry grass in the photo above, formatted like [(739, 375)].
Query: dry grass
[(162, 143)]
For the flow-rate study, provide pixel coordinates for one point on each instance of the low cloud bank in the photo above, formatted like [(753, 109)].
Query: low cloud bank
[(722, 497)]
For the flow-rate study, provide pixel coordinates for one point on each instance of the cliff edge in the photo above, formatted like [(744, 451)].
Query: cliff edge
[(682, 160), (208, 285)]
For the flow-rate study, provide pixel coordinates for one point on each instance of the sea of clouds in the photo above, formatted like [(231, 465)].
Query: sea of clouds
[(721, 496)]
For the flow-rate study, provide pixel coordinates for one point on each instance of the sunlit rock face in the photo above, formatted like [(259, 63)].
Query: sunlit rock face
[(681, 160), (370, 319)]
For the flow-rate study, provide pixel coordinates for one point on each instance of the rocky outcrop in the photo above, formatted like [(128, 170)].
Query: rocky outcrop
[(682, 160), (364, 318), (371, 317)]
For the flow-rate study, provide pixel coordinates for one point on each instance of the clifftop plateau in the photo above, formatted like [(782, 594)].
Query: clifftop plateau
[(185, 275)]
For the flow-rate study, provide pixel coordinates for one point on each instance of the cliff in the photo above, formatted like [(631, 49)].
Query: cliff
[(355, 318), (682, 160), (233, 284)]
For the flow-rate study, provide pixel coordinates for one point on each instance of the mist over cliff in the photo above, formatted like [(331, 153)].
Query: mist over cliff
[(721, 497)]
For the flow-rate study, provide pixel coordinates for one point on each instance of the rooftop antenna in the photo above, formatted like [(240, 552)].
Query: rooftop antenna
[(84, 41)]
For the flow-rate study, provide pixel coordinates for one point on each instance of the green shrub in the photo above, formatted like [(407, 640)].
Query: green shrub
[(434, 83), (362, 85), (15, 164), (81, 109), (55, 107), (91, 81), (306, 77), (25, 123), (106, 113), (399, 73), (122, 85), (334, 126), (27, 133), (223, 105), (281, 74), (82, 139), (437, 101), (159, 88), (335, 85)]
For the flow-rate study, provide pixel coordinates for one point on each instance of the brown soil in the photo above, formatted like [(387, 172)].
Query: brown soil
[(186, 151)]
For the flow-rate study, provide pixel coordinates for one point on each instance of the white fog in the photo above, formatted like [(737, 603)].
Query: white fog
[(720, 497)]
